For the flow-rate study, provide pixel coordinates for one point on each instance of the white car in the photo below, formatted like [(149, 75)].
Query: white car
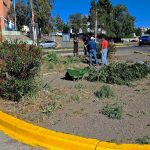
[(59, 33), (48, 44)]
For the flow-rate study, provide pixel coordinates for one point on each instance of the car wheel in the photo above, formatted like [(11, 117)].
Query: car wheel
[(140, 44), (41, 46)]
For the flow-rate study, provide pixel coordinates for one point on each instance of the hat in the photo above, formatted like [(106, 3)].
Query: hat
[(92, 38)]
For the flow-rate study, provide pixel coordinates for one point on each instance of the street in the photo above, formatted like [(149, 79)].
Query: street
[(7, 143), (130, 50), (120, 50)]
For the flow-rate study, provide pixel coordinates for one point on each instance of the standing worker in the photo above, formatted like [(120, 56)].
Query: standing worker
[(93, 50), (76, 41), (104, 51), (86, 51)]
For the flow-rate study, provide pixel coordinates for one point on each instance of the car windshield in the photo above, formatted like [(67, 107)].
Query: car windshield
[(48, 41)]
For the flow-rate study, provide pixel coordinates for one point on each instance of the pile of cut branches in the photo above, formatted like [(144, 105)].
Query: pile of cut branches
[(119, 73)]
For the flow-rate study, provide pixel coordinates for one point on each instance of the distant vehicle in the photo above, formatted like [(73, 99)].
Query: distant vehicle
[(144, 40), (48, 44), (59, 33)]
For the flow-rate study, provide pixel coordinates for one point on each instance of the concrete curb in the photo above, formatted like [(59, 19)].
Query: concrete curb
[(38, 136)]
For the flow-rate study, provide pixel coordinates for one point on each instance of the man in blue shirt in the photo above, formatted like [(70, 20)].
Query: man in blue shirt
[(93, 50)]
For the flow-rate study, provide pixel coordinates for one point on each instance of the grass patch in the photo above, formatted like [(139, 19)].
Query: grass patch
[(113, 111), (49, 108), (79, 86), (143, 140), (75, 98), (105, 91)]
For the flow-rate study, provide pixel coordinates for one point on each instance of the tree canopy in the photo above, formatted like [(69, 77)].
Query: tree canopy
[(115, 20)]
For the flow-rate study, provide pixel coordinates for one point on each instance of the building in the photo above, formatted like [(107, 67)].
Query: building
[(5, 24)]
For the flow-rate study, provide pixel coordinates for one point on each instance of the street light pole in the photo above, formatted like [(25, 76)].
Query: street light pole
[(15, 14), (95, 21)]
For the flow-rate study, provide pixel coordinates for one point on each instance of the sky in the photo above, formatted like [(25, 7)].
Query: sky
[(140, 9)]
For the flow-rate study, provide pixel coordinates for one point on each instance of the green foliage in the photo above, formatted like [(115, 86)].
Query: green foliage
[(75, 22), (75, 98), (70, 60), (116, 21), (21, 14), (79, 86), (48, 109), (66, 28), (119, 73), (144, 140), (58, 23), (113, 111), (52, 57), (20, 65), (111, 50), (105, 91), (138, 31), (42, 10), (148, 32), (123, 22)]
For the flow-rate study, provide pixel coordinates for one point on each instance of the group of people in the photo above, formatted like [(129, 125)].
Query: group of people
[(90, 49)]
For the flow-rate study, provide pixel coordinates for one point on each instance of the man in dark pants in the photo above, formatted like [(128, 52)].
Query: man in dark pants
[(86, 51), (93, 50), (75, 50)]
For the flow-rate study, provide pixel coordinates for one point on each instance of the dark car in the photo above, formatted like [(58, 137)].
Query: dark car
[(144, 40)]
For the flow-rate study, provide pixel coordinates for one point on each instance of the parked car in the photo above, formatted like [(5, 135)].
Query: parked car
[(59, 33), (48, 44), (144, 40)]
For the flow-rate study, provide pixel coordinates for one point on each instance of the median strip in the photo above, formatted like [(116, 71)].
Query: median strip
[(38, 136)]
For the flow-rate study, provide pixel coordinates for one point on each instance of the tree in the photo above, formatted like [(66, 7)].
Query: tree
[(148, 31), (42, 10), (104, 15), (92, 16), (66, 28), (123, 22), (115, 21), (138, 31), (75, 22), (58, 23), (85, 21), (21, 14)]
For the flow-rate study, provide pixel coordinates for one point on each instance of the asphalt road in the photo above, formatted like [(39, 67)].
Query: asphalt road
[(132, 49), (120, 50), (7, 143)]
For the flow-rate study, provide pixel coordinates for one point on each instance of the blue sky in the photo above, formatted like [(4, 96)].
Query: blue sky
[(138, 8)]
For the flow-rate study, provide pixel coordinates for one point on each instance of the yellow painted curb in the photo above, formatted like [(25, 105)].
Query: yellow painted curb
[(38, 136)]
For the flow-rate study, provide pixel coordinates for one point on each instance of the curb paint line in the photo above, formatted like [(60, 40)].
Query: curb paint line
[(38, 136)]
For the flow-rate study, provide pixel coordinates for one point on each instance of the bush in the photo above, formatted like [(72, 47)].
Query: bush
[(105, 91), (113, 111), (52, 57), (119, 73), (144, 140), (20, 64)]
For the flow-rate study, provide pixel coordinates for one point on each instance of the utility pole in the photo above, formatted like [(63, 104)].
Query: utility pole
[(33, 24), (95, 21), (15, 15)]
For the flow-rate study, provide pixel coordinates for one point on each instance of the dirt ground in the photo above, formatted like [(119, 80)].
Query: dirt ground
[(71, 107)]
